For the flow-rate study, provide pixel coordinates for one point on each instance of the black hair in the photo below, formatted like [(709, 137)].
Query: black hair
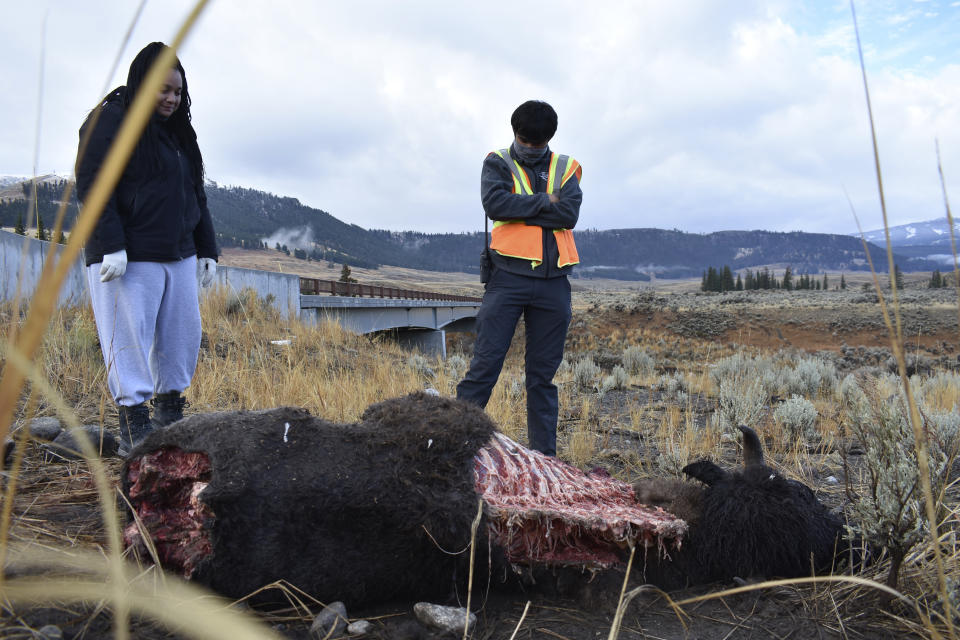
[(535, 121), (178, 124)]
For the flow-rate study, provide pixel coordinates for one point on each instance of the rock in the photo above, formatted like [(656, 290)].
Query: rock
[(49, 632), (430, 391), (8, 446), (832, 480), (359, 628), (47, 428), (331, 622), (65, 447), (444, 619)]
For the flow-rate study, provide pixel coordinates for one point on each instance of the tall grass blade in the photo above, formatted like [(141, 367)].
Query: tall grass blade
[(177, 604), (897, 344), (68, 188), (111, 519), (44, 300)]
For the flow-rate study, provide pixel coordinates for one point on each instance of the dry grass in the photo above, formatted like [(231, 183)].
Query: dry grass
[(336, 375)]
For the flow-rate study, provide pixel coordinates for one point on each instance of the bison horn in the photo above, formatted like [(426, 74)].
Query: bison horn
[(752, 449)]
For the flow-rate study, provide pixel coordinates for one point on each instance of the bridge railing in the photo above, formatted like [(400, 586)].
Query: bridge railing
[(314, 286)]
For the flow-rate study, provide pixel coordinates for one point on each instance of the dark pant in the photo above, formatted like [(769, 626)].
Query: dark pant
[(545, 305)]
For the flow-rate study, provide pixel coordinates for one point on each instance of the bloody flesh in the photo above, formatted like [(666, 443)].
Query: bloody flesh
[(541, 510), (165, 488)]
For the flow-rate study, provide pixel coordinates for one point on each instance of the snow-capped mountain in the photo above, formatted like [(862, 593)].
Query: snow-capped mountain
[(933, 233), (6, 181), (928, 240)]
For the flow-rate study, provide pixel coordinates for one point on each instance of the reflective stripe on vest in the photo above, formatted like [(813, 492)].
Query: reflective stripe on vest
[(516, 239)]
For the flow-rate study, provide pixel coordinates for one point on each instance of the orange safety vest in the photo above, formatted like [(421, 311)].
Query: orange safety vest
[(514, 238)]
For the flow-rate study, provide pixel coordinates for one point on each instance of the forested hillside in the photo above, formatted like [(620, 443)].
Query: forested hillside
[(250, 218)]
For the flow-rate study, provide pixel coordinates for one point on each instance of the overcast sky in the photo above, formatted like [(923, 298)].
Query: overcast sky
[(694, 114)]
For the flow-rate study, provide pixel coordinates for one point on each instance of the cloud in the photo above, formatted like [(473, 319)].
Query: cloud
[(694, 115), (300, 238)]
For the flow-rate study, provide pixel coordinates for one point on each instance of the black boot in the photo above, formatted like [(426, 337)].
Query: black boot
[(134, 426), (167, 408)]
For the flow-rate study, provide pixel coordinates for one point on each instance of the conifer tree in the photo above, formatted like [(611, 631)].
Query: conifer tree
[(726, 279), (739, 283), (713, 282), (787, 283), (843, 282), (826, 286), (19, 229), (345, 274), (936, 280), (764, 280), (897, 277)]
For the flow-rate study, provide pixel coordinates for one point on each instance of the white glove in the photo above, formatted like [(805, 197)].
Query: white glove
[(114, 265), (206, 269)]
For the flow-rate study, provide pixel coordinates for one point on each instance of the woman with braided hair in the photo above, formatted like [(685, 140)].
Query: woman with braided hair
[(152, 247)]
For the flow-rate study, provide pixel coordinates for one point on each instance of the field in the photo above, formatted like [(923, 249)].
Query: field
[(654, 376)]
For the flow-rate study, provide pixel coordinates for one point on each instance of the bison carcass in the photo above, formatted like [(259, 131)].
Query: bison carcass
[(372, 511)]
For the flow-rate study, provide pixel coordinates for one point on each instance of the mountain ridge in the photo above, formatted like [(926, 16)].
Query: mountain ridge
[(245, 217)]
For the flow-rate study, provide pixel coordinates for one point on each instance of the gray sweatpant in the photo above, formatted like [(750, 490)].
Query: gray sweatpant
[(148, 321)]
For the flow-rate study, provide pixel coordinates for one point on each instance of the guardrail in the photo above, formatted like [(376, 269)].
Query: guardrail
[(314, 286)]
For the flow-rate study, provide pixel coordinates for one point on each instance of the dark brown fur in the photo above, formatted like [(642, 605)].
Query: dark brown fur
[(363, 512), (748, 523)]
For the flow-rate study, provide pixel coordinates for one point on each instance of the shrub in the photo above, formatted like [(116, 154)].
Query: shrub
[(456, 366), (798, 416), (673, 458), (517, 387), (673, 386), (620, 378), (891, 512), (606, 384), (808, 377), (420, 365), (637, 361), (741, 403), (585, 372), (743, 367), (941, 391)]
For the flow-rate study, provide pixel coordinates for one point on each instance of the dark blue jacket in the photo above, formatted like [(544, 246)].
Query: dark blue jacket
[(500, 203), (156, 213)]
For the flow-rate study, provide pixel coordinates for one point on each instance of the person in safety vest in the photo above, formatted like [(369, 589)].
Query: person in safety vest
[(533, 197)]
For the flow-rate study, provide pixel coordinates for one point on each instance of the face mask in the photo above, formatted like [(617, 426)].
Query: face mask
[(528, 154)]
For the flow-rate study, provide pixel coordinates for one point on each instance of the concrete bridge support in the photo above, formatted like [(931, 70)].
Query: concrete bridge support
[(418, 323), (431, 342)]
